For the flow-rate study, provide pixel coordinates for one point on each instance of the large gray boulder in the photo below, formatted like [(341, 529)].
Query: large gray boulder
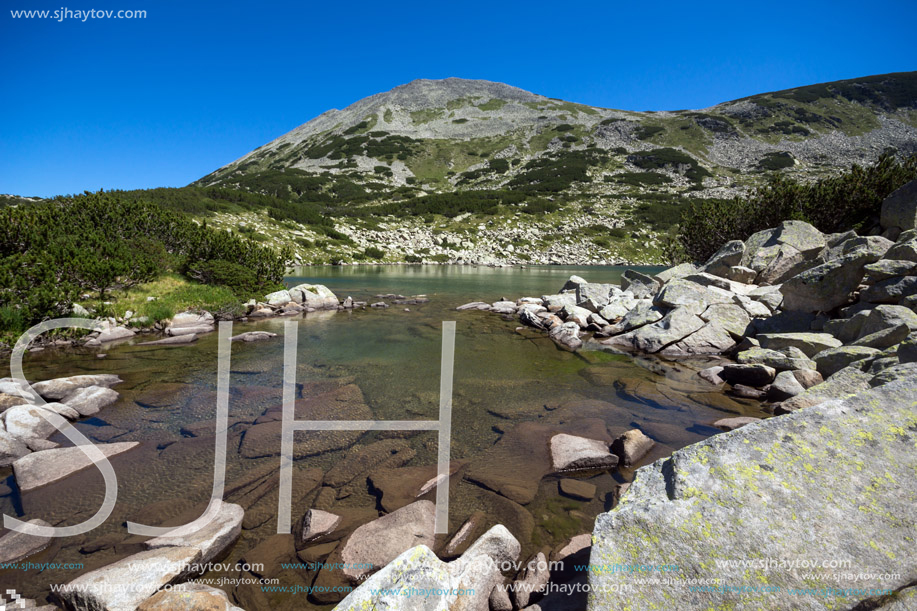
[(571, 453), (555, 303), (16, 546), (11, 448), (592, 296), (888, 268), (900, 208), (728, 256), (192, 596), (790, 242), (26, 422), (681, 291), (834, 359), (643, 313), (775, 478), (373, 545), (566, 336), (190, 323), (788, 358), (316, 296), (679, 271), (673, 327), (891, 290), (91, 399), (886, 338), (826, 286)]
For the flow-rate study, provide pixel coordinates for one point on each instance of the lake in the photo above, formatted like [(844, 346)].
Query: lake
[(510, 384)]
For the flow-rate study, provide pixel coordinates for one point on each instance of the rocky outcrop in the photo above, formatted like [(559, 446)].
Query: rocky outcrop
[(190, 323), (755, 493), (774, 302)]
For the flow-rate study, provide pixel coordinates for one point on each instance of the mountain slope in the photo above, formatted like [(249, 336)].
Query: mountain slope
[(465, 160)]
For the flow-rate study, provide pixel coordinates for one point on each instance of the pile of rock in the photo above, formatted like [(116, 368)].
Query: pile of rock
[(23, 429), (299, 299), (808, 316)]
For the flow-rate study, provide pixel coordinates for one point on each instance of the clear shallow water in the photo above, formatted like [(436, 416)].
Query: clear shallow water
[(504, 376)]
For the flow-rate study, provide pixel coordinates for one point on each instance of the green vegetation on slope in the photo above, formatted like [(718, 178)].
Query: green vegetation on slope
[(52, 252), (849, 201)]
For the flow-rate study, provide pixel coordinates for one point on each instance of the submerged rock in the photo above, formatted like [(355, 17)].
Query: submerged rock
[(16, 546)]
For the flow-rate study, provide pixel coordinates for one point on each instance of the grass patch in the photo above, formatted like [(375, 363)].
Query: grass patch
[(174, 294)]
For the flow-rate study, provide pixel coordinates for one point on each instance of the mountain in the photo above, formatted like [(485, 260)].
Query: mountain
[(470, 170)]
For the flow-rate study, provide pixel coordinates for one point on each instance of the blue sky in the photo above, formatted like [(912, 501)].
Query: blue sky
[(162, 101)]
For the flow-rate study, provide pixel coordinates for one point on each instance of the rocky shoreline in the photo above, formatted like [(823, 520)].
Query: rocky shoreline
[(187, 327)]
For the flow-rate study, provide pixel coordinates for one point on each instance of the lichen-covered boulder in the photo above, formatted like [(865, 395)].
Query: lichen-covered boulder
[(725, 258), (316, 296), (826, 286), (755, 493), (809, 343), (834, 359)]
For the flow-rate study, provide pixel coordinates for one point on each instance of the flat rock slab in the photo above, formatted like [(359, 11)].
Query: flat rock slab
[(175, 340), (14, 546), (212, 539), (810, 343), (40, 468), (756, 492), (123, 585)]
